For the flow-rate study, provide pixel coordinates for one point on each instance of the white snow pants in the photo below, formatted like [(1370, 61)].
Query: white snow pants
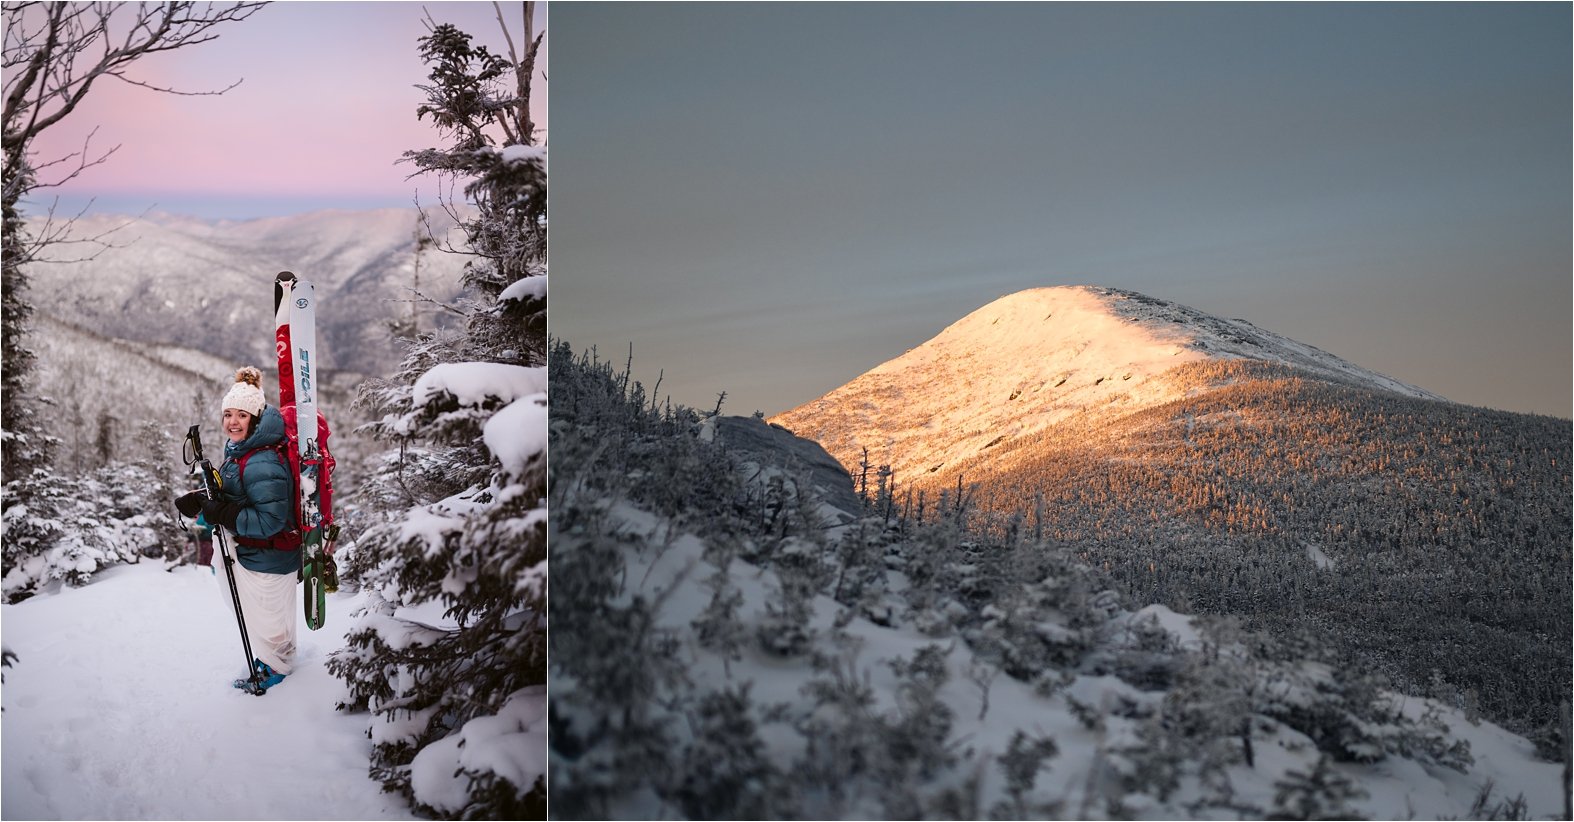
[(268, 601)]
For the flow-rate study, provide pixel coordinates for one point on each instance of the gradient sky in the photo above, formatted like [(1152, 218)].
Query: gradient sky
[(326, 108), (770, 199)]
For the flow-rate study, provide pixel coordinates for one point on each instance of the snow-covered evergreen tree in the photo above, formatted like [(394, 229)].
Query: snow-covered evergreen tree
[(450, 653), (74, 526)]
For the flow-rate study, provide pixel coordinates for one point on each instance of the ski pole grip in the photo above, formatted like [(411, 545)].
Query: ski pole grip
[(192, 450)]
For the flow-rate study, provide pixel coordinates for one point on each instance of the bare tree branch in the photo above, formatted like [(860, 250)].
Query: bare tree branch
[(55, 234), (422, 298), (521, 76), (70, 29), (166, 90)]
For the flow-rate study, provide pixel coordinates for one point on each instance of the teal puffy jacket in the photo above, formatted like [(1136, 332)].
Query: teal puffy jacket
[(266, 497)]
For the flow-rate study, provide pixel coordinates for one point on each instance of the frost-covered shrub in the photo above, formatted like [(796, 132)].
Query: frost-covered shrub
[(614, 733), (860, 568), (1021, 763), (718, 627), (613, 667), (1352, 719), (727, 773), (1155, 764), (920, 731), (1044, 625), (1322, 793), (785, 630), (862, 762), (841, 732), (73, 527), (1146, 655)]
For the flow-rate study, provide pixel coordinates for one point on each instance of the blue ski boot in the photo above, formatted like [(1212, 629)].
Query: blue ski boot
[(269, 676)]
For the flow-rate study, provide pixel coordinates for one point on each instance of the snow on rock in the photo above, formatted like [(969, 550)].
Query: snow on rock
[(518, 432), (474, 383), (772, 446), (1176, 625)]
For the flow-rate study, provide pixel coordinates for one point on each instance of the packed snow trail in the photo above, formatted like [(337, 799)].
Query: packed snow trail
[(119, 706)]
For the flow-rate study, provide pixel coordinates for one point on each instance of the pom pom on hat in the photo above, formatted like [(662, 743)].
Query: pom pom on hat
[(246, 393)]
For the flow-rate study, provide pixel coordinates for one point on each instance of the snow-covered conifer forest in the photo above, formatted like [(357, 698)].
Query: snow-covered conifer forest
[(738, 635), (1218, 468), (424, 696)]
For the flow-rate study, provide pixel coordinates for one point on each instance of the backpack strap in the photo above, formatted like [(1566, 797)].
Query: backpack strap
[(277, 448)]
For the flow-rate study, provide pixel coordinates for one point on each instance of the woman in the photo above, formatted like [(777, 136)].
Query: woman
[(256, 504)]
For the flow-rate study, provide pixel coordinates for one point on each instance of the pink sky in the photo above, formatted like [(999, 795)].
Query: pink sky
[(326, 108)]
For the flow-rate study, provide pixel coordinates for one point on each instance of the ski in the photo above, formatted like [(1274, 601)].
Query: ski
[(281, 335), (295, 334)]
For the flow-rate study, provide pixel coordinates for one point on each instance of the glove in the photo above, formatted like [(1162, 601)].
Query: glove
[(189, 505), (220, 513)]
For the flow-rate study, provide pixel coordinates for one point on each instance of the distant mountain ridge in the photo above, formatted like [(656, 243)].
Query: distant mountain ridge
[(1032, 359), (207, 284), (84, 378)]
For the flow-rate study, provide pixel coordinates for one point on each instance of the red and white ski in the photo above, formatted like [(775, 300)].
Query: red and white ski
[(295, 334)]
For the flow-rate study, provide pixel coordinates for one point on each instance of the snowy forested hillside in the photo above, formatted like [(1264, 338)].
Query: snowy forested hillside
[(116, 398), (110, 397), (207, 285), (1425, 539), (727, 643), (1216, 467)]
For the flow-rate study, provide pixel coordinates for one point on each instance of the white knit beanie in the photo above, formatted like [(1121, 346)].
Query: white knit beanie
[(246, 393)]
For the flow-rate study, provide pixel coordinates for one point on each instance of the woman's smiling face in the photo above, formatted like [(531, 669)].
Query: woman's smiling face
[(236, 422)]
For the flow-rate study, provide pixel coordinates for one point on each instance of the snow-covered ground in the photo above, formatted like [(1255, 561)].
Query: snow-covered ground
[(989, 709), (119, 706)]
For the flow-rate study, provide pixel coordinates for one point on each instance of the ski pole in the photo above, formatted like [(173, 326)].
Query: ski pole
[(210, 485)]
